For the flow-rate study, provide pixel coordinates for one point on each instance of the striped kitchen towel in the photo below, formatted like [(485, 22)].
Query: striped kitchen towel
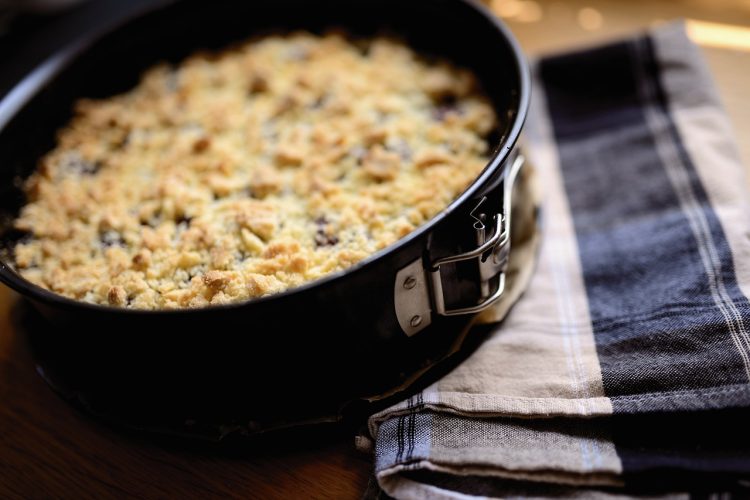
[(625, 367)]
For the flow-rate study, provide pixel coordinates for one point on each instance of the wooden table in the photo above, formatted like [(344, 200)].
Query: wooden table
[(48, 449)]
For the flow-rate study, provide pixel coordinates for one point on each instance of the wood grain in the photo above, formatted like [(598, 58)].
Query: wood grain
[(47, 449)]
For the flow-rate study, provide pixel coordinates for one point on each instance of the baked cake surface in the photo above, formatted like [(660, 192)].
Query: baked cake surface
[(246, 172)]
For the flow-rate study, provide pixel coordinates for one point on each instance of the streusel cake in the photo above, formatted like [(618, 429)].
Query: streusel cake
[(247, 172)]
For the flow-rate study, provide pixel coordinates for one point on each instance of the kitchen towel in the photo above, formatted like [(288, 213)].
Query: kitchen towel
[(625, 367)]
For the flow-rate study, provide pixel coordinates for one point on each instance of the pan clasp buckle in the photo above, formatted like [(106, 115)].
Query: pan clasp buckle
[(414, 298), (492, 259)]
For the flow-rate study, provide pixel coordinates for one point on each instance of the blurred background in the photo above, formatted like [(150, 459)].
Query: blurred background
[(720, 27), (31, 29)]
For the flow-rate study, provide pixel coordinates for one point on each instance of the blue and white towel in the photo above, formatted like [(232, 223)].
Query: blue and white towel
[(625, 367)]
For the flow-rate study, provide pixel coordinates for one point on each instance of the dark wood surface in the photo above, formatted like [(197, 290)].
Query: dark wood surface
[(49, 449)]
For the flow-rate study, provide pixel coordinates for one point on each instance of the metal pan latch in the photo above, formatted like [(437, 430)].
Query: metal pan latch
[(413, 296)]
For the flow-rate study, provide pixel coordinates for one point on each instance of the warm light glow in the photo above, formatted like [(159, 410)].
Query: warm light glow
[(506, 8), (590, 19), (725, 36), (523, 11), (531, 12)]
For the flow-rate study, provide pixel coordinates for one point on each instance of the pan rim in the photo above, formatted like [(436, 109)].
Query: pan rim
[(31, 84)]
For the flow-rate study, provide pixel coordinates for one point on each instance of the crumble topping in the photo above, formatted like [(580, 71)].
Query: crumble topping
[(246, 172)]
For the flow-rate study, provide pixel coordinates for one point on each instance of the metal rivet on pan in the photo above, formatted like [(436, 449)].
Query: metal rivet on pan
[(410, 283), (415, 321)]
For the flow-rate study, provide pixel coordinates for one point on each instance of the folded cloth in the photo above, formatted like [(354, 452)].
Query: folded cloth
[(626, 364)]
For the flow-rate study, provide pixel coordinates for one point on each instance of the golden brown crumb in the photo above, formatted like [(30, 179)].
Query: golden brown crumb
[(216, 280), (432, 157), (380, 164), (117, 296), (247, 172), (258, 83), (201, 144)]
